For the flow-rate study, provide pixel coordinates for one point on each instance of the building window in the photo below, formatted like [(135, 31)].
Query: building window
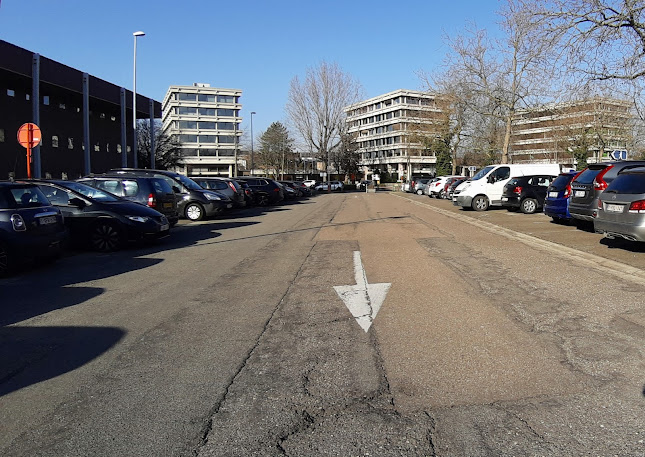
[(207, 111), (187, 97), (225, 112), (46, 100), (207, 98), (208, 125), (70, 143), (187, 124), (226, 125), (54, 141), (11, 93), (188, 152), (187, 110), (208, 152), (188, 138), (226, 139), (226, 152), (208, 138), (226, 98)]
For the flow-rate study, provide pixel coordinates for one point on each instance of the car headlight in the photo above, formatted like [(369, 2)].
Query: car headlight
[(212, 196), (138, 218)]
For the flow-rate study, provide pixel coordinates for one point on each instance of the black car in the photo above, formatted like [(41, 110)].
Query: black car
[(30, 227), (306, 191), (249, 195), (226, 186), (297, 192), (193, 201), (265, 191), (526, 192), (590, 183), (100, 220), (153, 192)]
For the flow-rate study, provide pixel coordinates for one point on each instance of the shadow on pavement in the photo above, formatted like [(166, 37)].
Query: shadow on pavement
[(29, 355)]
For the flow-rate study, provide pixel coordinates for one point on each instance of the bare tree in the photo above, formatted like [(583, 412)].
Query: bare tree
[(316, 107), (167, 147), (498, 77)]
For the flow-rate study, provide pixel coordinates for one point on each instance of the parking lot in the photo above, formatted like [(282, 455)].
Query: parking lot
[(499, 333)]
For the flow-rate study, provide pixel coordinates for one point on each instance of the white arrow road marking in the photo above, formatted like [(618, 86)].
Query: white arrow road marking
[(363, 300)]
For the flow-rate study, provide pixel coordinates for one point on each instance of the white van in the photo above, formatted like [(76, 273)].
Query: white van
[(486, 187)]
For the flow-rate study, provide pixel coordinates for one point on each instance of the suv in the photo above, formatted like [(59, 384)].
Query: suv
[(526, 192), (153, 192), (193, 201), (590, 183), (226, 186), (265, 191), (30, 227)]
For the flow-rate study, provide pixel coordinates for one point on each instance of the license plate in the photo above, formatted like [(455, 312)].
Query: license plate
[(553, 195), (47, 220), (167, 205), (164, 227), (579, 193), (610, 207)]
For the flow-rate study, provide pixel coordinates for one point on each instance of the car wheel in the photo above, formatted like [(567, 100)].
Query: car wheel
[(529, 205), (5, 260), (480, 203), (194, 212), (105, 237), (419, 192), (263, 200)]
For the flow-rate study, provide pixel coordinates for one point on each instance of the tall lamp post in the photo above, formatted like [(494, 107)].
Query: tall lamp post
[(134, 101), (252, 161)]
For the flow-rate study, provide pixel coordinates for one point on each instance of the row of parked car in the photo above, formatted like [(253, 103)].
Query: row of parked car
[(104, 211), (609, 195)]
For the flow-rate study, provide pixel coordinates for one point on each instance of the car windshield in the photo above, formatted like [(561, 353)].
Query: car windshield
[(628, 183), (588, 175), (483, 172), (91, 192), (189, 183), (28, 197)]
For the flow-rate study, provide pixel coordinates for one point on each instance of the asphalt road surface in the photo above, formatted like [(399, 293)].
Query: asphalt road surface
[(353, 324)]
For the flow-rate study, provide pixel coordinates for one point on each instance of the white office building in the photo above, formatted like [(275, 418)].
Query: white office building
[(207, 122), (387, 130)]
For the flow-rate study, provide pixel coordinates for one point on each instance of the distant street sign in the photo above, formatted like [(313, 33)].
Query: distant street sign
[(29, 136), (619, 155)]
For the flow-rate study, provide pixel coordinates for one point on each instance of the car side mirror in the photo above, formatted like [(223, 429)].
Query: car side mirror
[(79, 203), (176, 189), (491, 179)]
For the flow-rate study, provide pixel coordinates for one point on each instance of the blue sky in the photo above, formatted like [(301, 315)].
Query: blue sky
[(256, 46)]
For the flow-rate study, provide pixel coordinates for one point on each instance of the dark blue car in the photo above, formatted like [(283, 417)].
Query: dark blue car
[(30, 227), (556, 203)]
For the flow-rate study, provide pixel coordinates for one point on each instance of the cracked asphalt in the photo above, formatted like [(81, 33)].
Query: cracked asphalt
[(501, 335)]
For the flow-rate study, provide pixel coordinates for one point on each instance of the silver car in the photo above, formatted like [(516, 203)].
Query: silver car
[(621, 207)]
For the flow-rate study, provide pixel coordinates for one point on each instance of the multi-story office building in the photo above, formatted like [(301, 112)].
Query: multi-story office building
[(550, 133), (389, 129), (206, 120)]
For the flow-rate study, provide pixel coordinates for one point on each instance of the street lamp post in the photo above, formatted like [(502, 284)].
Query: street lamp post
[(135, 161), (252, 161)]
